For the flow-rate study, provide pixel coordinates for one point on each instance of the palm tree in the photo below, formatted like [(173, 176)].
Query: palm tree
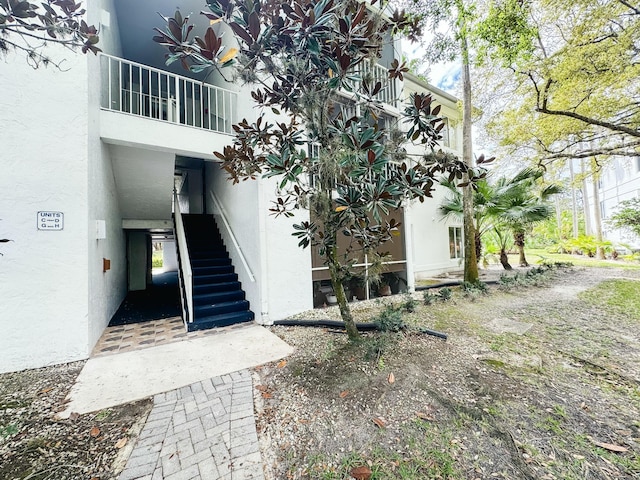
[(507, 203), (484, 208), (521, 205)]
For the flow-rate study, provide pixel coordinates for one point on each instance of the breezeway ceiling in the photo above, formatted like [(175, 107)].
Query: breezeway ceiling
[(144, 182), (137, 19)]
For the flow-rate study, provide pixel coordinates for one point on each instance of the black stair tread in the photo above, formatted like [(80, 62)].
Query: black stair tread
[(218, 297), (220, 320), (210, 262), (207, 254), (213, 279), (212, 268), (220, 308), (216, 287)]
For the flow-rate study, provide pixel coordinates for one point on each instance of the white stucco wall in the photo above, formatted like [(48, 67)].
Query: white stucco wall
[(106, 289), (289, 286), (240, 204), (44, 300)]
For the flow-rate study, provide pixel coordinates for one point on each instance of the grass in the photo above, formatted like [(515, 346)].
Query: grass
[(156, 259), (619, 296), (430, 453), (538, 255)]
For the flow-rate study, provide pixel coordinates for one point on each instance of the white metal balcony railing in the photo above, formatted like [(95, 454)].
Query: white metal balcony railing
[(373, 73), (137, 89)]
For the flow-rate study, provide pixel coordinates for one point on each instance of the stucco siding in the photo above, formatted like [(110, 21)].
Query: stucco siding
[(43, 274)]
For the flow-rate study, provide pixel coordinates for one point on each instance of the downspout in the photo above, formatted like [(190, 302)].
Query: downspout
[(408, 248), (264, 263)]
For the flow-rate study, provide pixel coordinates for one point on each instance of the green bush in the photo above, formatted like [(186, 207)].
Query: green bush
[(445, 293), (428, 298), (390, 319), (409, 304)]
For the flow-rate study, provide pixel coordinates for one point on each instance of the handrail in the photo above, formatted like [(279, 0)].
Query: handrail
[(185, 263), (235, 243), (137, 89)]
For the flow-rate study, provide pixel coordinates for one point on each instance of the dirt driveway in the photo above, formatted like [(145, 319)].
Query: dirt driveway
[(559, 401)]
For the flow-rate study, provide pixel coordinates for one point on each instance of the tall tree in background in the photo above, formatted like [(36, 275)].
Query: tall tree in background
[(450, 25), (576, 85), (300, 57), (28, 27)]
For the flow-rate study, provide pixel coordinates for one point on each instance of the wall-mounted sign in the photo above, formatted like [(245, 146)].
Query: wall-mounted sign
[(50, 220)]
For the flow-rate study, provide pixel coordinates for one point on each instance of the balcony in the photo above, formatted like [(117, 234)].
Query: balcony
[(374, 73), (143, 91)]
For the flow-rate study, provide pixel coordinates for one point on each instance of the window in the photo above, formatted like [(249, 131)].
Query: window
[(446, 140), (455, 242), (603, 211)]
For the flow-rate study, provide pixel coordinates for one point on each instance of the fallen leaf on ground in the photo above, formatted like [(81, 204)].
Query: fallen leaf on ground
[(261, 388), (282, 364), (121, 443), (361, 473), (392, 378), (95, 431), (425, 416), (74, 416), (611, 447), (46, 390), (380, 422), (344, 393), (266, 395)]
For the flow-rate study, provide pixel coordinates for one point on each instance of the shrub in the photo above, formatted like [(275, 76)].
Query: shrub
[(409, 304), (428, 298), (390, 319), (445, 293)]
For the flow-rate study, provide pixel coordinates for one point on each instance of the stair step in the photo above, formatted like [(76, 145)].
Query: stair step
[(210, 262), (215, 270), (211, 279), (207, 254), (220, 320), (207, 299), (218, 297), (216, 287), (220, 308)]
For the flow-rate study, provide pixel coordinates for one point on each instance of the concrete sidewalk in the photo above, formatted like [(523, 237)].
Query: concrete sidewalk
[(204, 431), (202, 422), (111, 380)]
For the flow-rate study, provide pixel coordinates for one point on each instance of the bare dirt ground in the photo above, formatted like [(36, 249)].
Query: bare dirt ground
[(36, 446), (561, 401)]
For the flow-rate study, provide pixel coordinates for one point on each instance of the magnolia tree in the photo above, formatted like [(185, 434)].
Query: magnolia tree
[(306, 61), (29, 26)]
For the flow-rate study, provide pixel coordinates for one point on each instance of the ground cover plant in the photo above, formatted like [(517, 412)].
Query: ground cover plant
[(561, 400), (537, 381)]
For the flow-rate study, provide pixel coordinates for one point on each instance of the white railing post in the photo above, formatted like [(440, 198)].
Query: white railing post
[(185, 262)]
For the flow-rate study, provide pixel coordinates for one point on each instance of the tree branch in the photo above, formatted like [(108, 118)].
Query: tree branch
[(587, 120)]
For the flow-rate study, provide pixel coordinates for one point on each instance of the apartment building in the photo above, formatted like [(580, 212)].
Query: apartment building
[(113, 151)]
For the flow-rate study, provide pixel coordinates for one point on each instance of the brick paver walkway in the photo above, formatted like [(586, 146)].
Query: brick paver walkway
[(205, 431)]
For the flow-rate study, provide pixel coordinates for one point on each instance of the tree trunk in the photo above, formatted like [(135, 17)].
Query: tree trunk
[(585, 200), (338, 290), (574, 202), (504, 260), (478, 244), (470, 257), (597, 214), (518, 239)]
